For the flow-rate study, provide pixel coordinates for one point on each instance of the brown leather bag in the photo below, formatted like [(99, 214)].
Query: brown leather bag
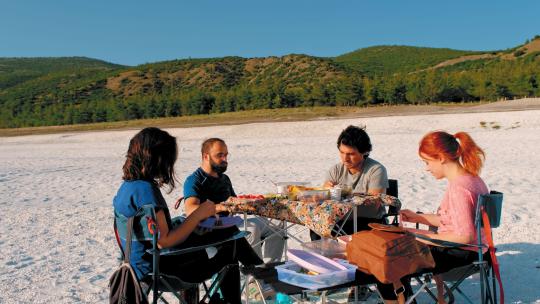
[(388, 255)]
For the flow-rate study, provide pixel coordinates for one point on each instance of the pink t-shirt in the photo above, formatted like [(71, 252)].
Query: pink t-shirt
[(458, 207)]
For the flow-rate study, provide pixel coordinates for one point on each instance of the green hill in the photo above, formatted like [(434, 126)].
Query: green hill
[(383, 60), (18, 70), (59, 91)]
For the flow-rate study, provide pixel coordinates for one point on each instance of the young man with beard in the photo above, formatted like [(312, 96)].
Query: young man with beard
[(210, 183)]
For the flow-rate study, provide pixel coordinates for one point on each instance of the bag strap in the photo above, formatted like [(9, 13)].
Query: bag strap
[(445, 243), (491, 248), (399, 291), (401, 230), (387, 228), (118, 238), (129, 240)]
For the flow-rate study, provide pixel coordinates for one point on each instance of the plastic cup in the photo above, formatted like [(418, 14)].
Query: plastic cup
[(346, 191), (335, 194)]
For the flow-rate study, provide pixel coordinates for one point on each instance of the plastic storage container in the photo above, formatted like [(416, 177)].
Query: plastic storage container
[(313, 195), (290, 273), (281, 187), (330, 248)]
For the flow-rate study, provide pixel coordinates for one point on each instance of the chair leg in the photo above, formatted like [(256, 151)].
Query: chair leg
[(216, 283), (245, 287), (259, 288), (489, 293), (494, 284), (191, 295), (176, 294), (424, 285)]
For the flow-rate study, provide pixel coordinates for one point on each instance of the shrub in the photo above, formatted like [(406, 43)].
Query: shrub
[(519, 53)]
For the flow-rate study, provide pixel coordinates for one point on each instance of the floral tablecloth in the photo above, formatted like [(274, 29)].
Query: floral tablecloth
[(318, 216)]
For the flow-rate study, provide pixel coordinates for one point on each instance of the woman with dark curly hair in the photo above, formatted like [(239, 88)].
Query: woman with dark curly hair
[(149, 166)]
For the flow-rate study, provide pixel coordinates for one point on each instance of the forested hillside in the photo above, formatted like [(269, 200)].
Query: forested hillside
[(56, 91), (384, 60), (14, 71)]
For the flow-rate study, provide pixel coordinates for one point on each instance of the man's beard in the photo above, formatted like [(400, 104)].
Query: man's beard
[(218, 168)]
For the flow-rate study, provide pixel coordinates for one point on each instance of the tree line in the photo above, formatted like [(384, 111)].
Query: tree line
[(80, 102)]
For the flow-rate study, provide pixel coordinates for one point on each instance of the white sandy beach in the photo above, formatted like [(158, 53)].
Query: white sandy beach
[(56, 238)]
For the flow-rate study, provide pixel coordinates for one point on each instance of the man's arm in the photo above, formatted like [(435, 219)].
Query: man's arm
[(191, 204), (330, 179), (378, 181), (376, 191), (328, 184), (192, 187)]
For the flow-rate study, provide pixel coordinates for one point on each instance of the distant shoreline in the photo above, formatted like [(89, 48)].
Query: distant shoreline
[(282, 115)]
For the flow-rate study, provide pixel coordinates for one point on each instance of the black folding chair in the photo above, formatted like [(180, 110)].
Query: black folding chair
[(488, 215), (392, 211), (145, 230)]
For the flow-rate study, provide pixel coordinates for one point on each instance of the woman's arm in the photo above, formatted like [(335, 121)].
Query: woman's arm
[(451, 237), (421, 218), (170, 238)]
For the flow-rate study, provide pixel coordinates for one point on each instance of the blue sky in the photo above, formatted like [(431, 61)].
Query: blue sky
[(136, 32)]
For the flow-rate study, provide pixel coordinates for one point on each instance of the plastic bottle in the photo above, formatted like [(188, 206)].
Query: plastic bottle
[(282, 298)]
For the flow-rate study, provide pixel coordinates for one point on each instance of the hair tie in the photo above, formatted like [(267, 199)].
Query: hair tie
[(459, 150)]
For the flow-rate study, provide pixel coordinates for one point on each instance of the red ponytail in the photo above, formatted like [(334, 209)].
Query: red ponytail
[(459, 147)]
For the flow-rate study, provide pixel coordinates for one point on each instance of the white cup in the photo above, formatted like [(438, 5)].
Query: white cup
[(281, 189), (335, 194)]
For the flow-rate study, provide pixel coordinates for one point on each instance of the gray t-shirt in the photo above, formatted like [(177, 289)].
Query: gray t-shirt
[(372, 176)]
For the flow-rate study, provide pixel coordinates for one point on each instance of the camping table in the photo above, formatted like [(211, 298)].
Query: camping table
[(319, 216)]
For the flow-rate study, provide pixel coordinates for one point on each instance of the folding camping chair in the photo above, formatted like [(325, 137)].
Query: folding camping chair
[(488, 215), (145, 229), (392, 190)]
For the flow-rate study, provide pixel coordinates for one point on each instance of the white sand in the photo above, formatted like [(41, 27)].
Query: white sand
[(56, 240)]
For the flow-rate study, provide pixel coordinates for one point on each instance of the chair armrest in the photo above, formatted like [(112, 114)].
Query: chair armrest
[(446, 243), (180, 251)]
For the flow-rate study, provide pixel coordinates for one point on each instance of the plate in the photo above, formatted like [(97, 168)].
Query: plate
[(226, 222), (314, 262)]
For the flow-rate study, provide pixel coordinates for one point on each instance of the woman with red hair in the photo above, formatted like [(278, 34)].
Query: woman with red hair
[(458, 159)]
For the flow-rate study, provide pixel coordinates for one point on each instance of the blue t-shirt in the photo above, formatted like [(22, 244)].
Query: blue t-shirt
[(206, 187), (131, 196)]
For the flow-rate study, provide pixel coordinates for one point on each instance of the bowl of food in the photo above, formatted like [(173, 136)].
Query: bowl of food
[(282, 187)]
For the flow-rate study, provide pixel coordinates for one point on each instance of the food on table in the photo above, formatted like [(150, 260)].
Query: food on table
[(274, 196), (310, 194), (313, 195), (307, 271), (251, 196)]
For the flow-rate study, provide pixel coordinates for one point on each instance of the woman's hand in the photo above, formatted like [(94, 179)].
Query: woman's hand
[(409, 216), (205, 210)]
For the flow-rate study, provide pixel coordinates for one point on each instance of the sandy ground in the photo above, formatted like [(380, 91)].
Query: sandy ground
[(56, 240)]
